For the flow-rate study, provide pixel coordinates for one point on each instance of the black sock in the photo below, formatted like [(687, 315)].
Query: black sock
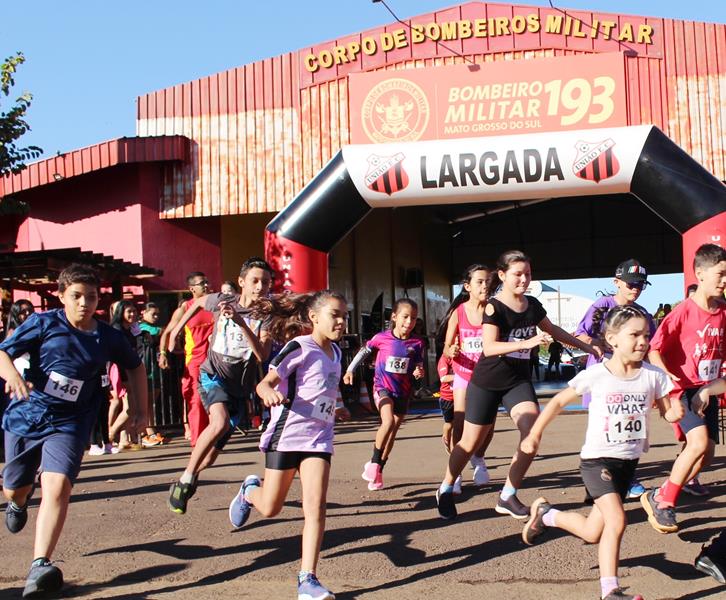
[(383, 464), (376, 455)]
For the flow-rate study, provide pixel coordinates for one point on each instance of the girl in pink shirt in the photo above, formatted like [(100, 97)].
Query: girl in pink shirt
[(463, 344)]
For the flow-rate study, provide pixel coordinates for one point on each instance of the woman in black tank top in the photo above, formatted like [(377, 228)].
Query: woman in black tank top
[(502, 376)]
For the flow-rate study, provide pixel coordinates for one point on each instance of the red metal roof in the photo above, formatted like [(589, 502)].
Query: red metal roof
[(120, 151)]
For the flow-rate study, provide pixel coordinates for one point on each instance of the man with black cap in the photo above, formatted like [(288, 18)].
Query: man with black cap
[(631, 278)]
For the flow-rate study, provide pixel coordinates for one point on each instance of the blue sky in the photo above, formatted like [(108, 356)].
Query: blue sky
[(87, 61)]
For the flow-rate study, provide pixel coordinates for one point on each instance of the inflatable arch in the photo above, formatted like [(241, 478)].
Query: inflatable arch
[(640, 160)]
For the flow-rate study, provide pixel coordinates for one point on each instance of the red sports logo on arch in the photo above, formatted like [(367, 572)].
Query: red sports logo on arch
[(595, 161), (386, 173)]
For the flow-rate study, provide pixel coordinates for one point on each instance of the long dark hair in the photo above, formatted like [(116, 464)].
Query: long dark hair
[(14, 318), (503, 263), (118, 313), (461, 297), (288, 313)]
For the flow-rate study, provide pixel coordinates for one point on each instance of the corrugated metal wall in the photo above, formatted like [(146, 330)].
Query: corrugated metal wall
[(261, 131)]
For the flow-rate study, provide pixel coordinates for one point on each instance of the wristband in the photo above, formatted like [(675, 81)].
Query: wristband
[(162, 352)]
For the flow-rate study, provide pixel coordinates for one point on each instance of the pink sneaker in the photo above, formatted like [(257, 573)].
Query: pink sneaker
[(371, 471), (377, 483)]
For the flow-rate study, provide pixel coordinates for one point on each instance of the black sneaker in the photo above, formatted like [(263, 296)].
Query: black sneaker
[(662, 519), (446, 504), (619, 594), (711, 565), (17, 517), (44, 578), (179, 495), (535, 526), (512, 507)]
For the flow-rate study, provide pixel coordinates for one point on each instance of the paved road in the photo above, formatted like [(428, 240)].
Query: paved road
[(122, 542)]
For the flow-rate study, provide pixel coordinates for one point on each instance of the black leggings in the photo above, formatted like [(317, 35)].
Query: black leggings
[(482, 404), (99, 434)]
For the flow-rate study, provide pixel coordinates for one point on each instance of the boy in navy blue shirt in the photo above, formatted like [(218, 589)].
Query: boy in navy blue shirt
[(53, 408)]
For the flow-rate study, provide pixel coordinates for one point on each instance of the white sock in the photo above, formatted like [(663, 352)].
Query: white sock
[(187, 477)]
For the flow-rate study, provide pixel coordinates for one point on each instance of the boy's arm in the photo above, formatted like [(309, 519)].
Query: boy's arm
[(15, 385), (530, 444), (193, 308), (655, 359), (261, 345), (699, 402), (164, 339)]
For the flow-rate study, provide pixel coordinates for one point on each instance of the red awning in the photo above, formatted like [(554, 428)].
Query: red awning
[(121, 151)]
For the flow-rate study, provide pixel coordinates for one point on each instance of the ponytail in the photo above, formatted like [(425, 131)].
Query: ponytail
[(461, 297)]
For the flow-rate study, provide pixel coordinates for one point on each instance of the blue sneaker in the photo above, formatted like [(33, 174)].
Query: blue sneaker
[(239, 508), (311, 589), (44, 580), (636, 489), (17, 516)]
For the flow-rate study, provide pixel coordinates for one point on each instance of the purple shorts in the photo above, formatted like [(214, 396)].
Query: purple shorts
[(55, 453)]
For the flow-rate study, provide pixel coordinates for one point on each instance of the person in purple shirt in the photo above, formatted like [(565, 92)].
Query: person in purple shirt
[(301, 389), (630, 280), (399, 360)]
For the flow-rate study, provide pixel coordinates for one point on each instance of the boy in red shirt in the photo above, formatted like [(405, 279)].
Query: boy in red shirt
[(689, 346)]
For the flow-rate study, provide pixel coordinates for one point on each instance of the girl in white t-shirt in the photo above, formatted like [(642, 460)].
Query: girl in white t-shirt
[(623, 390)]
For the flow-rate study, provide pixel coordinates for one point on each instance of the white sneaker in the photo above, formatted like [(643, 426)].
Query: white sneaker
[(110, 449), (457, 486), (481, 475), (95, 450)]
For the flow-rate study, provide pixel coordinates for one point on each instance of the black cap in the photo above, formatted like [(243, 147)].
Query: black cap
[(631, 271)]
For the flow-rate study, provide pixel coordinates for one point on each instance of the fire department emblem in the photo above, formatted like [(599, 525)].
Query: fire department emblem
[(395, 110), (386, 173), (595, 161)]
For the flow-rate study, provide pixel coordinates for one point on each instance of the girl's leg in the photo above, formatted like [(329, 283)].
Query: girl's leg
[(458, 423), (471, 439), (397, 422), (614, 521), (372, 469), (481, 451), (269, 498), (114, 409), (524, 415), (120, 419), (314, 475), (587, 528), (387, 424)]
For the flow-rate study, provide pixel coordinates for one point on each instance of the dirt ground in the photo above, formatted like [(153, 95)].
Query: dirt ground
[(121, 541)]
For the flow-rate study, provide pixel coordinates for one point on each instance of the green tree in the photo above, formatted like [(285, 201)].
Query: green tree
[(12, 122)]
